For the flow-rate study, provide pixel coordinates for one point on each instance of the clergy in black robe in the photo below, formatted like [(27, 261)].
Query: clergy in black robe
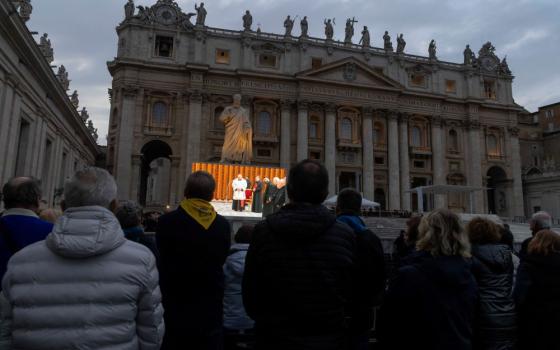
[(269, 194), (280, 197), (257, 204)]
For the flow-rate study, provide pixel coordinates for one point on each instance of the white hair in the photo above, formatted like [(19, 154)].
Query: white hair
[(90, 186), (542, 220)]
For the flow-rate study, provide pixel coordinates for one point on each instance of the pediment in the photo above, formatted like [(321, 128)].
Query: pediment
[(349, 71)]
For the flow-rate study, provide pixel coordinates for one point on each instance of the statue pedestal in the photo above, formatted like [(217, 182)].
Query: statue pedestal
[(225, 173)]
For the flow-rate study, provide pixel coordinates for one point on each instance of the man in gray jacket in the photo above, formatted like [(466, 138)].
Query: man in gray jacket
[(86, 286)]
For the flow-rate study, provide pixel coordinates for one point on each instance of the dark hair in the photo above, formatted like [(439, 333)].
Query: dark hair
[(201, 185), (244, 234), (483, 231), (129, 214), (349, 201), (412, 229), (308, 182), (22, 192)]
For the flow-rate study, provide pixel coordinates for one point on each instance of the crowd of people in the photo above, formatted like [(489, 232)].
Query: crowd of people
[(303, 278), (266, 197)]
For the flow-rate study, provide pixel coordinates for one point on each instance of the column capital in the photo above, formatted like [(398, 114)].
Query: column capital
[(367, 111), (286, 105), (392, 115), (302, 104), (136, 159), (129, 91), (195, 97), (404, 117), (437, 120), (330, 107), (514, 131), (472, 125), (246, 100)]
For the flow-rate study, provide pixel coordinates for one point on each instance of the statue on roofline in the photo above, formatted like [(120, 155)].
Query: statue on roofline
[(401, 43)]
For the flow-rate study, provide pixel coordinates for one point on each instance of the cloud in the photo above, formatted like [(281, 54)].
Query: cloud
[(84, 38), (530, 36)]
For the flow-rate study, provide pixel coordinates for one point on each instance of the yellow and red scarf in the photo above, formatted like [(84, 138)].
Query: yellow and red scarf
[(200, 210)]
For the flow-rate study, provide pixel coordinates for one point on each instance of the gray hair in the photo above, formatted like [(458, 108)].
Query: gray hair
[(129, 214), (90, 186), (542, 220)]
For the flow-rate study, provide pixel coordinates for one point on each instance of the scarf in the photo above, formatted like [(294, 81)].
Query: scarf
[(200, 210)]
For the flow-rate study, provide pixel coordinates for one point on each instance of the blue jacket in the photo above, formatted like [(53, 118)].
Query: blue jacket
[(235, 316), (18, 229)]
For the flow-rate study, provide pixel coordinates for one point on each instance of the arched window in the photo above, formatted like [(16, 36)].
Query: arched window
[(416, 137), (218, 125), (159, 114), (453, 141), (493, 145), (264, 124), (346, 129)]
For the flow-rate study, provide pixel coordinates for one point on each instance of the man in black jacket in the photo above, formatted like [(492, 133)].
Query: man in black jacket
[(300, 270), (370, 280), (193, 242)]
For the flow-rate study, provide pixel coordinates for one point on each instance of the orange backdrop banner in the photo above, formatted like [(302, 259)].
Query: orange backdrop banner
[(225, 173)]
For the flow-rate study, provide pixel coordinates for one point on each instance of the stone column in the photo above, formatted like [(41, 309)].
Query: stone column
[(475, 165), (12, 136), (518, 207), (438, 167), (367, 153), (135, 179), (193, 135), (183, 173), (302, 131), (404, 162), (394, 170), (330, 146), (175, 182), (285, 134), (123, 163)]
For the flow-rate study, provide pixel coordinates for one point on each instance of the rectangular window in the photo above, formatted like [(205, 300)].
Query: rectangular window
[(315, 155), (489, 90), (222, 56), (62, 170), (417, 80), (419, 164), (267, 60), (23, 145), (316, 62), (313, 130), (454, 166), (379, 160), (450, 86), (164, 46), (264, 153)]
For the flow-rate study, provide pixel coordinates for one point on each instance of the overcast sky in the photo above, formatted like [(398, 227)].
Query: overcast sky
[(527, 31)]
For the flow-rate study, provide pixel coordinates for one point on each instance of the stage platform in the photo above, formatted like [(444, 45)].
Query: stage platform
[(224, 208)]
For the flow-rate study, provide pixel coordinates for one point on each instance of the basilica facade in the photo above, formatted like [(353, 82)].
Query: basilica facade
[(381, 120), (42, 134)]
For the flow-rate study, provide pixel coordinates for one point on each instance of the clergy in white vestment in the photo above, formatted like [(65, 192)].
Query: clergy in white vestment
[(239, 186)]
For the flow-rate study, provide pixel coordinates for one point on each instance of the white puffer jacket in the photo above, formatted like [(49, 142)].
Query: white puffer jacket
[(84, 287)]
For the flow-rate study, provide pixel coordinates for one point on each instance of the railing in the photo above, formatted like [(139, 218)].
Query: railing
[(328, 43)]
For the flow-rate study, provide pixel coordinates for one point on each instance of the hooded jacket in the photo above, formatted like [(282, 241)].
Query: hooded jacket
[(496, 318), (235, 316), (436, 298), (298, 278), (84, 287)]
